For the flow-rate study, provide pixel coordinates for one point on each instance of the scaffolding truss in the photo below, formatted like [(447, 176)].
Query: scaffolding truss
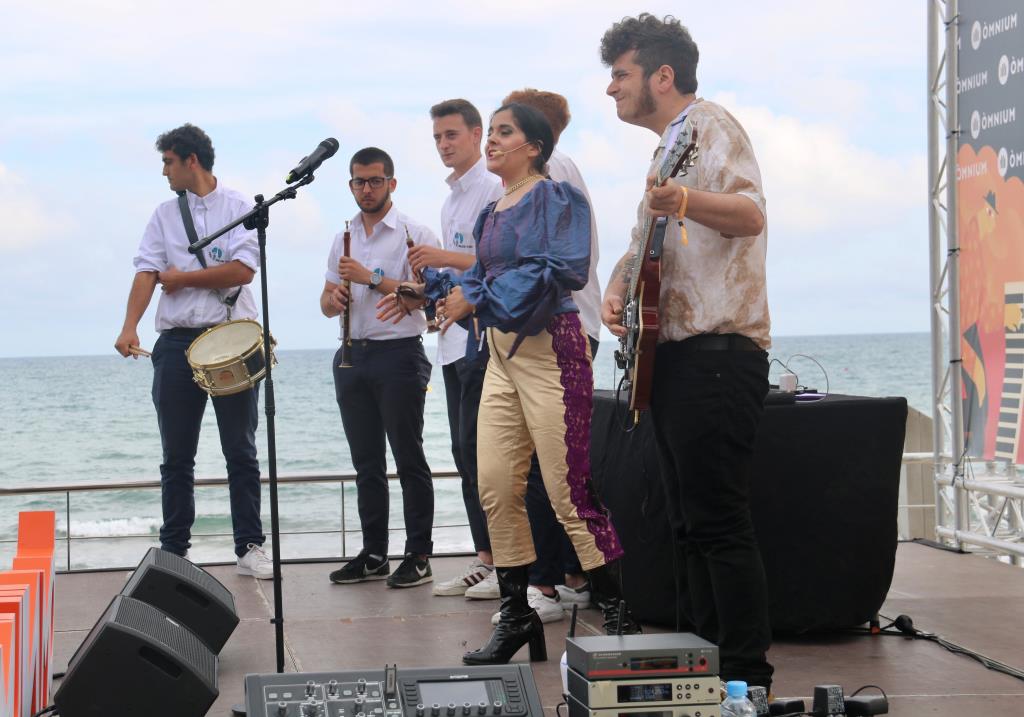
[(978, 506)]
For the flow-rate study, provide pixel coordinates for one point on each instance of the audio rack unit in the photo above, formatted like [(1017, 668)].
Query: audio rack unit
[(479, 691)]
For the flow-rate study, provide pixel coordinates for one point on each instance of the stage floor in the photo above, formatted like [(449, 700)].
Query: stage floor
[(972, 601)]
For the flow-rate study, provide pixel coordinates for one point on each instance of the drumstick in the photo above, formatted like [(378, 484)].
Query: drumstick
[(137, 351)]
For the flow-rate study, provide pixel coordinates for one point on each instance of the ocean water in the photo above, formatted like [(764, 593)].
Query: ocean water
[(89, 419)]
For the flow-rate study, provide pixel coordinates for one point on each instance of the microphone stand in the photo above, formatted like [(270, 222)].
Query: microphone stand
[(258, 218)]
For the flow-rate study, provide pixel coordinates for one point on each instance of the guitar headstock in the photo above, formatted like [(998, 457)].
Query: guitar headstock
[(680, 156)]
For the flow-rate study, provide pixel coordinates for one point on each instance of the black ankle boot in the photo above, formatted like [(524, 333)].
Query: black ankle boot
[(517, 626), (606, 593)]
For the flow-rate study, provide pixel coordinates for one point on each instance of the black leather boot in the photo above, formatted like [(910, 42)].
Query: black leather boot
[(518, 625), (606, 592)]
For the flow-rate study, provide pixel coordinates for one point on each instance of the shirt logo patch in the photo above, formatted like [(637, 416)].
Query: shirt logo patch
[(217, 254), (462, 241)]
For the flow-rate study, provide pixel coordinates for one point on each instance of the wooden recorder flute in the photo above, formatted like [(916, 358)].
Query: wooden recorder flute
[(418, 276), (346, 320)]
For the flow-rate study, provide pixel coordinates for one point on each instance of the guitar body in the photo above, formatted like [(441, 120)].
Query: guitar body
[(635, 355), (646, 341)]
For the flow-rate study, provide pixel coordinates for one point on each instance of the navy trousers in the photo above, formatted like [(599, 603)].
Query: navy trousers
[(180, 405), (382, 396), (463, 382)]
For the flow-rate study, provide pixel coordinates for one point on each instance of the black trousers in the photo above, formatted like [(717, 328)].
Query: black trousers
[(463, 382), (382, 396), (706, 407), (555, 555)]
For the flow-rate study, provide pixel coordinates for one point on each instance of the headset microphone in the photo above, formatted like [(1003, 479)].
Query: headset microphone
[(502, 153)]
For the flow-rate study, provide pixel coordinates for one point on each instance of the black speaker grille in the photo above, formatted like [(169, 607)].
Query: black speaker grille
[(146, 619), (177, 564)]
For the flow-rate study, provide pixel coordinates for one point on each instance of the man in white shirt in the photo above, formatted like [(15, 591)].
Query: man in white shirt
[(381, 395), (458, 130), (197, 293)]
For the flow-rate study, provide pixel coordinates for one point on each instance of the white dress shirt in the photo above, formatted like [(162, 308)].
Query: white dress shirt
[(588, 299), (469, 194), (384, 249), (165, 244)]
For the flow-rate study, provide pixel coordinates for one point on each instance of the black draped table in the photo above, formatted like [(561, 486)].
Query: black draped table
[(825, 484)]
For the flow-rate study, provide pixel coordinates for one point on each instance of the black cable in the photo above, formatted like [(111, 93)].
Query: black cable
[(51, 710), (905, 625), (558, 709), (811, 358), (58, 675), (864, 687)]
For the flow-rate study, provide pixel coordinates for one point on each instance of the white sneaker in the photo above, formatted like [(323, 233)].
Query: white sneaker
[(474, 573), (256, 563), (549, 609), (486, 589), (574, 596)]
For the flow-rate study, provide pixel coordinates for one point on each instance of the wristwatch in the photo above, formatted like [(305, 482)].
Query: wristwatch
[(376, 277)]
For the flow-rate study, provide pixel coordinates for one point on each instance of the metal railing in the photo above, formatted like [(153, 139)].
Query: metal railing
[(994, 497), (69, 538)]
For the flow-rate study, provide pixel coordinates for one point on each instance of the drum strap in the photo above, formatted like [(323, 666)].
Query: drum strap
[(190, 231)]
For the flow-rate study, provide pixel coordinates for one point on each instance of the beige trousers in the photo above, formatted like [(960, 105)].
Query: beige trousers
[(540, 399)]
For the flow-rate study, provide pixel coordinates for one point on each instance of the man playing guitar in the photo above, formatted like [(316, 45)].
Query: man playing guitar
[(710, 368)]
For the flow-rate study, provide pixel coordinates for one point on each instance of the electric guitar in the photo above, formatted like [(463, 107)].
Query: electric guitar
[(635, 355)]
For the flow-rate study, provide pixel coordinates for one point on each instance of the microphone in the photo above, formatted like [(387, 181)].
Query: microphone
[(904, 624), (310, 163), (502, 153)]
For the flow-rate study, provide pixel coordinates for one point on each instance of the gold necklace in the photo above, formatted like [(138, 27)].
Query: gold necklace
[(522, 183)]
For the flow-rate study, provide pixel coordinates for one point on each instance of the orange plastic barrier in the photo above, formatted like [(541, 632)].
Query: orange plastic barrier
[(16, 608), (6, 665), (37, 534), (31, 580)]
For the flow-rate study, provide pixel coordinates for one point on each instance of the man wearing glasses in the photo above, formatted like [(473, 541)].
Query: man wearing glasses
[(381, 395)]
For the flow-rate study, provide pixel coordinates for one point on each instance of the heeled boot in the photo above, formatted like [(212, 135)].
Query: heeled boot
[(606, 591), (518, 624)]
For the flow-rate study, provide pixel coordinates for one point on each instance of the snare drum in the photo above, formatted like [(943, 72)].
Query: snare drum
[(228, 358)]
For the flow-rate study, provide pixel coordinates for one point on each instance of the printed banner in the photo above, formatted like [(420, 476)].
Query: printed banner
[(989, 173)]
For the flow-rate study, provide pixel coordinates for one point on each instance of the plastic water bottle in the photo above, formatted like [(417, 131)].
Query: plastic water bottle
[(563, 668), (736, 703)]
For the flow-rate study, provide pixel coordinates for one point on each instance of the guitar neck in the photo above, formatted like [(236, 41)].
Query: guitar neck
[(674, 160), (648, 234)]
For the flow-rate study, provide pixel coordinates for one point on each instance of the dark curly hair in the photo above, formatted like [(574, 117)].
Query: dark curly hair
[(185, 141), (657, 42)]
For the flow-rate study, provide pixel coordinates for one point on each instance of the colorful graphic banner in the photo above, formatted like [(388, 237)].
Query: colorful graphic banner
[(989, 173)]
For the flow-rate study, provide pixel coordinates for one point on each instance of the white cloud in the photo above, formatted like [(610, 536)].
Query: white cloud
[(829, 107), (817, 179), (27, 222)]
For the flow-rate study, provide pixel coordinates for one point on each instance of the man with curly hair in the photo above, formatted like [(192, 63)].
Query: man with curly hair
[(711, 366)]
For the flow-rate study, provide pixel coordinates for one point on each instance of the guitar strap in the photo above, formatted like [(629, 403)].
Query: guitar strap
[(190, 232)]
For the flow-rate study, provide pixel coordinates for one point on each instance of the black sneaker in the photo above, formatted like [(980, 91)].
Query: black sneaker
[(412, 571), (362, 567)]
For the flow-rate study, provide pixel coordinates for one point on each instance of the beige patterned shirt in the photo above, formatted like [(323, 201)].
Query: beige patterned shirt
[(714, 284)]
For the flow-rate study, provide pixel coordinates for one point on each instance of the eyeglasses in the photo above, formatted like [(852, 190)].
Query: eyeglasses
[(358, 183)]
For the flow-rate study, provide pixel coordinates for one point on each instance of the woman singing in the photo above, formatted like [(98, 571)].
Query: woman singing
[(533, 250)]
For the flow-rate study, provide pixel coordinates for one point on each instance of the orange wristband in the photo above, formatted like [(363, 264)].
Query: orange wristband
[(681, 212)]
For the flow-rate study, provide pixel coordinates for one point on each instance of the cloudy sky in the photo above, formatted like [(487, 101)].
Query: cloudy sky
[(833, 95)]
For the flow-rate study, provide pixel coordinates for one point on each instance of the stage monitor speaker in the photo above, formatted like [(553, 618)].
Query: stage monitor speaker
[(138, 661), (187, 594)]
